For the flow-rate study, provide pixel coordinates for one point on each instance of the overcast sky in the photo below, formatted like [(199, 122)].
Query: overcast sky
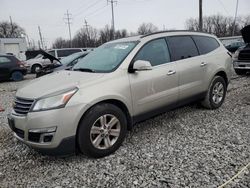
[(129, 14)]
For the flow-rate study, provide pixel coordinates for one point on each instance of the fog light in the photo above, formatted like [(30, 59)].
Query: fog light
[(43, 135), (43, 130)]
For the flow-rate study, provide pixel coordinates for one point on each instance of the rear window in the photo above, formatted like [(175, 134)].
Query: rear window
[(205, 44), (182, 47), (64, 53), (4, 59)]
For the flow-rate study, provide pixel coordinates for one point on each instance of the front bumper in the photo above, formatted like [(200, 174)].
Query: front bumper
[(64, 120), (241, 64)]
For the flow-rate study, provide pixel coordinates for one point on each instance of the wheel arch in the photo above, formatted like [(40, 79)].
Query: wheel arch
[(115, 102), (223, 74)]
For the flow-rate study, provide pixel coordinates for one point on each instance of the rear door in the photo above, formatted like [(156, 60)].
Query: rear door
[(158, 87), (5, 66), (189, 65)]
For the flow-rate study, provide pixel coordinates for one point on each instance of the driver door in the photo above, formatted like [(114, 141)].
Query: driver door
[(156, 88)]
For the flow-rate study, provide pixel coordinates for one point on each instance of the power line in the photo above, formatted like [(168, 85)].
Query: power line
[(95, 11), (222, 4), (68, 19), (87, 8)]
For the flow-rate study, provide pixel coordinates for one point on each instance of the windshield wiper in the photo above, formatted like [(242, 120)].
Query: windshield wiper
[(84, 70)]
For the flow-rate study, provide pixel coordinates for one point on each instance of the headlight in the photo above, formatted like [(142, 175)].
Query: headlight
[(56, 100)]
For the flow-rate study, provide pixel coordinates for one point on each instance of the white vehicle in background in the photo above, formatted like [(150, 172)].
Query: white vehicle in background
[(41, 60), (63, 52)]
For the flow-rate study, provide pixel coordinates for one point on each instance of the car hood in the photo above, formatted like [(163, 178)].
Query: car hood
[(245, 32), (55, 82)]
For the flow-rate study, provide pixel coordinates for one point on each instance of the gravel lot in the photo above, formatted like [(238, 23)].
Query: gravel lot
[(187, 147)]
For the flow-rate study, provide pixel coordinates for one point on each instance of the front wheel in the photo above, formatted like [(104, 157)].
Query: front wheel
[(216, 93), (102, 130)]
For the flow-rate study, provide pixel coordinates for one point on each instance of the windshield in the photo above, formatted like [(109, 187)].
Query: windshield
[(106, 58), (70, 58)]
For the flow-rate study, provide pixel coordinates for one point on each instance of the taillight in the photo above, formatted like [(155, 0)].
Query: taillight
[(20, 64)]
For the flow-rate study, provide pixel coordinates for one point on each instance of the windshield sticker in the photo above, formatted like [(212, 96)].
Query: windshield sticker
[(120, 46)]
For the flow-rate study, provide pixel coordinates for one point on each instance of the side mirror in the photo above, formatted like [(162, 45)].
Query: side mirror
[(141, 65)]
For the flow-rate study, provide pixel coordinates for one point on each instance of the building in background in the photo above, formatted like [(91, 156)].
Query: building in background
[(15, 46)]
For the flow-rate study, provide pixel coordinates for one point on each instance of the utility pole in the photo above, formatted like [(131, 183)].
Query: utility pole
[(200, 16), (11, 26), (235, 16), (41, 38), (68, 19), (87, 30), (113, 17)]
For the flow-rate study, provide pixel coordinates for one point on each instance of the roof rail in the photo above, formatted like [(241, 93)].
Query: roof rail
[(159, 32)]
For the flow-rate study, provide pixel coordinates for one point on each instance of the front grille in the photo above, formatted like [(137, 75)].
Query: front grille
[(22, 106), (244, 55), (19, 132)]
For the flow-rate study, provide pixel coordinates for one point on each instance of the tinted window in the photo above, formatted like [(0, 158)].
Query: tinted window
[(4, 60), (64, 53), (156, 52), (182, 47), (205, 44)]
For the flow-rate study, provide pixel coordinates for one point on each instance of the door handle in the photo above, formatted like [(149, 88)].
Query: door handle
[(171, 72), (203, 64)]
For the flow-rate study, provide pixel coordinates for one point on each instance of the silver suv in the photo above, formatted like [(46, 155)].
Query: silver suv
[(90, 108)]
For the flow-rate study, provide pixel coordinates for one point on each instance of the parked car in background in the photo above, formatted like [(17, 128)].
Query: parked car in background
[(63, 52), (11, 68), (241, 60), (234, 46), (41, 60), (118, 84), (64, 64)]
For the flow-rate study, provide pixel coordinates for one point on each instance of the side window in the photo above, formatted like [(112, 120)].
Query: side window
[(4, 60), (156, 52), (205, 44), (64, 53), (182, 47), (52, 52)]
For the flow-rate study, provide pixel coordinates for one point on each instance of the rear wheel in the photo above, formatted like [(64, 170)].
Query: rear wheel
[(240, 71), (216, 93), (102, 130), (36, 68), (17, 76)]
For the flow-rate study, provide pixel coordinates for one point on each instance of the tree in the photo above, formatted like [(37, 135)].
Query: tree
[(218, 25), (8, 30), (146, 28), (61, 43)]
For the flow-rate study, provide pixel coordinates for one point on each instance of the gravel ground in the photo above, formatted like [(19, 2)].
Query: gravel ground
[(187, 147)]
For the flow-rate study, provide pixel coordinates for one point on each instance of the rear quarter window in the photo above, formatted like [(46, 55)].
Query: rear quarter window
[(205, 44)]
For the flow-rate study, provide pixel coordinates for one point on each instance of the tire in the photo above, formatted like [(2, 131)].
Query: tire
[(240, 71), (91, 130), (17, 76), (36, 68), (215, 97)]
